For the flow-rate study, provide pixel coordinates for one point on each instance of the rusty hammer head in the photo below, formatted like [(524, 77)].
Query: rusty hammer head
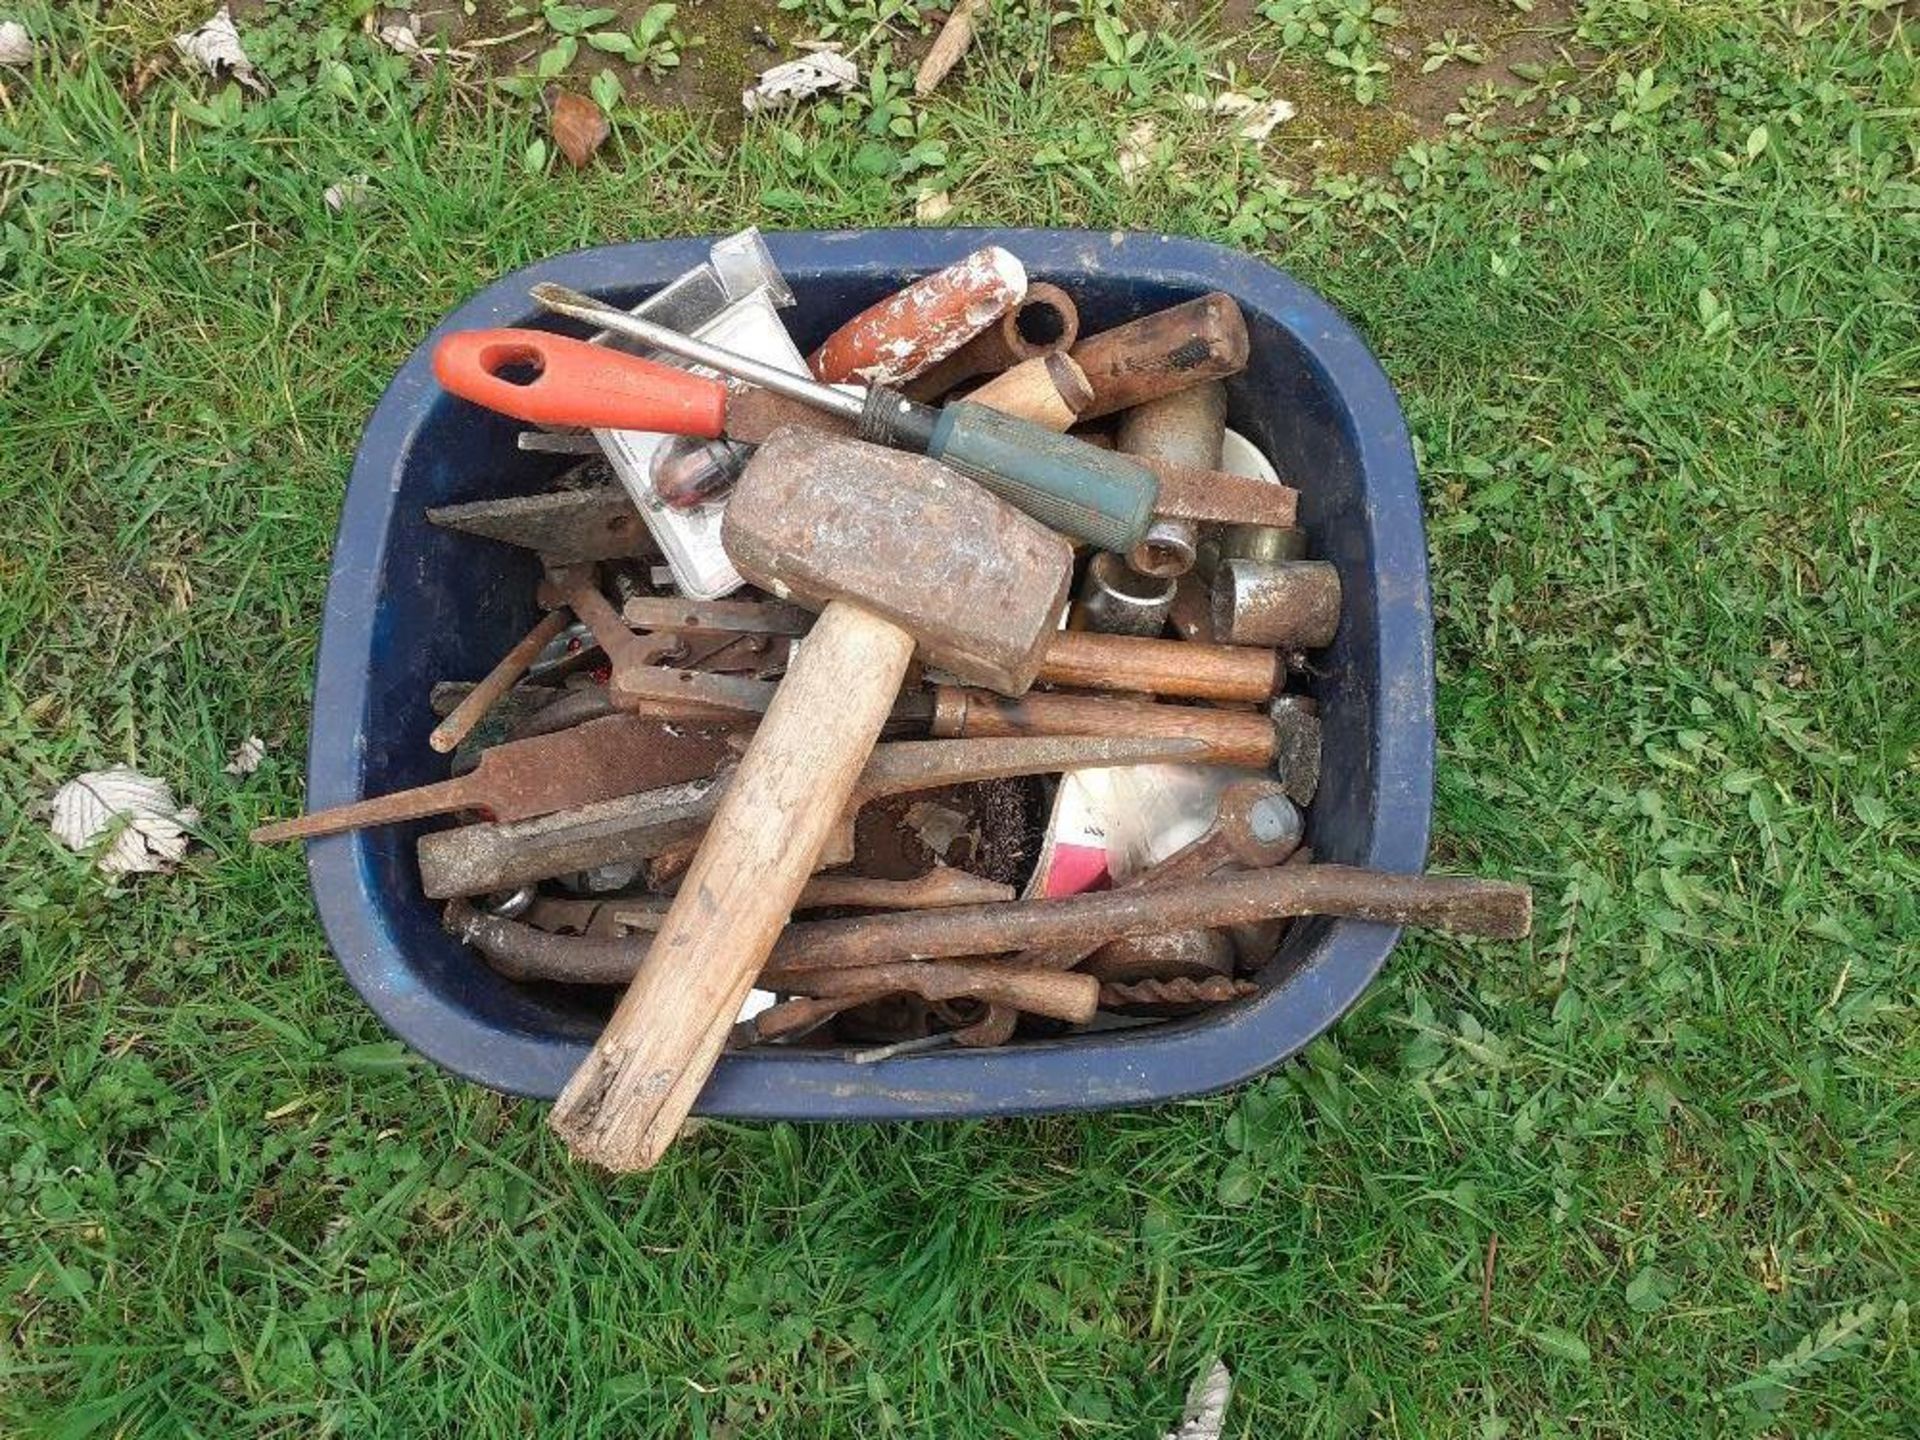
[(978, 584)]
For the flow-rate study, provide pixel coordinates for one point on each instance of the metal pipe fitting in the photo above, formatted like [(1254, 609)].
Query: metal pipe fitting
[(1116, 600), (1294, 604)]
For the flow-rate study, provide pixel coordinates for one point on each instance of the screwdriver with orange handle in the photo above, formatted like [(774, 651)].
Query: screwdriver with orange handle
[(1079, 489)]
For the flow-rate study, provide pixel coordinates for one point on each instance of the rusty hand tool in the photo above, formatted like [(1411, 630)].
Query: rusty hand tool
[(1047, 322), (1158, 354), (1178, 954), (898, 552), (1231, 737), (1457, 904), (1116, 599), (1254, 826), (1186, 427), (1219, 497), (1203, 990), (480, 859), (1039, 994), (520, 951), (520, 779), (911, 329), (938, 889), (1072, 486), (564, 526), (1293, 604), (1074, 658), (1049, 391), (448, 734), (612, 917), (638, 681)]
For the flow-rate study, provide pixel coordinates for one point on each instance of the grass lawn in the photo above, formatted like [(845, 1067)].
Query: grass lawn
[(1653, 320)]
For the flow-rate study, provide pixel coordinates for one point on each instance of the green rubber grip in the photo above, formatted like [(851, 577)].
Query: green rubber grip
[(1078, 489)]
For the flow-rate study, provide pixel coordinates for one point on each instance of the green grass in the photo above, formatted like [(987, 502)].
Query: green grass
[(1663, 379)]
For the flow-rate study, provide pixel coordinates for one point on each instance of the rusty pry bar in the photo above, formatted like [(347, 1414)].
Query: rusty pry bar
[(1456, 904), (1254, 826)]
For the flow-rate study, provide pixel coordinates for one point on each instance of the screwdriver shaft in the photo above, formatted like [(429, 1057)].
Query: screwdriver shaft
[(564, 301)]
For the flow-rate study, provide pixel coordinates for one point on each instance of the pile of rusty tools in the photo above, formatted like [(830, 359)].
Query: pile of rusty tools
[(895, 636)]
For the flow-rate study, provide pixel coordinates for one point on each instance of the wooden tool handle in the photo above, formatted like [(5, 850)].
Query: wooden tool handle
[(627, 1101), (1087, 661), (1045, 321), (1232, 737), (1158, 354), (1049, 390)]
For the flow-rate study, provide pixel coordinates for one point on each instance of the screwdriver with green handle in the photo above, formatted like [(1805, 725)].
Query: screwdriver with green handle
[(1078, 489)]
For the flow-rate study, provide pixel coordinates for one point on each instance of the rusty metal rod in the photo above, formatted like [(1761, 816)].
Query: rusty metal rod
[(1458, 904), (448, 734)]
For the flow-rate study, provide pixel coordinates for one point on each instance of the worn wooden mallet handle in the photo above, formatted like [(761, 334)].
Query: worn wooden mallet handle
[(625, 1104)]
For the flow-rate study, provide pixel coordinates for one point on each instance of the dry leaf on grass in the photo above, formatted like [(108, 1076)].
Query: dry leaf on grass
[(247, 756), (1206, 1413), (216, 46), (1262, 116), (820, 73), (16, 45), (151, 826), (348, 194), (579, 127), (932, 207), (401, 40), (1137, 150)]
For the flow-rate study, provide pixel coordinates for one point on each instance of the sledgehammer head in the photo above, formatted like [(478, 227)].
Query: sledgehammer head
[(978, 584)]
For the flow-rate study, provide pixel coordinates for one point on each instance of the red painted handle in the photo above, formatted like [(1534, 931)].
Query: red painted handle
[(574, 383)]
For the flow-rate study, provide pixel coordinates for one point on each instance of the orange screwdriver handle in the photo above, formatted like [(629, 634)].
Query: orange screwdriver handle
[(574, 383)]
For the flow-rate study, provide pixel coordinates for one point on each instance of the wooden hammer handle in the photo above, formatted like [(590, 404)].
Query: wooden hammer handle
[(1084, 660), (628, 1099), (1233, 737)]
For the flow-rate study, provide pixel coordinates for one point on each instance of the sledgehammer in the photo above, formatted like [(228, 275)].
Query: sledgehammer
[(898, 549)]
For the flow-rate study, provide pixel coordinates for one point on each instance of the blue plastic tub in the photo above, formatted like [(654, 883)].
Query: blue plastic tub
[(410, 604)]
